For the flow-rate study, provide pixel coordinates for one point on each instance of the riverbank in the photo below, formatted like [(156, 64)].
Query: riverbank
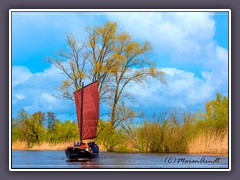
[(19, 145), (202, 145)]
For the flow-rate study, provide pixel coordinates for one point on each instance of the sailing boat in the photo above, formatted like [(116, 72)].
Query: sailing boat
[(87, 107)]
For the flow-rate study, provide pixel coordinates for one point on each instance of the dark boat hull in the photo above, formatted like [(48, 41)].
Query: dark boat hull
[(77, 152)]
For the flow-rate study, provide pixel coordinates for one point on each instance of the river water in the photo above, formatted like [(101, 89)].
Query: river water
[(57, 160)]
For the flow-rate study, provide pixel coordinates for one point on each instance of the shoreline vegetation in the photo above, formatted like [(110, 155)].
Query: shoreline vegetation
[(209, 145), (171, 131), (203, 144)]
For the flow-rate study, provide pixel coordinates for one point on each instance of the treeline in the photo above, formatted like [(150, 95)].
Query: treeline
[(171, 131), (42, 127)]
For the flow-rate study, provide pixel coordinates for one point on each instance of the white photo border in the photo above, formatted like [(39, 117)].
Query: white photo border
[(119, 10)]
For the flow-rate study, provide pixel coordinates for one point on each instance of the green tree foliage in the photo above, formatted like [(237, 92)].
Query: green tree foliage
[(215, 117), (63, 132), (51, 119), (31, 128), (109, 137)]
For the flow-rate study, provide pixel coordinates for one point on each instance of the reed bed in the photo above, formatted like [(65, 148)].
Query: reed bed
[(212, 143), (20, 145), (207, 143)]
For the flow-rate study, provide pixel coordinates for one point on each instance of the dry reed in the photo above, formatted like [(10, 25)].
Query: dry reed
[(209, 142), (20, 145)]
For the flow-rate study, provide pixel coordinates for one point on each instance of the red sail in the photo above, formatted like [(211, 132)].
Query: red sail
[(90, 110)]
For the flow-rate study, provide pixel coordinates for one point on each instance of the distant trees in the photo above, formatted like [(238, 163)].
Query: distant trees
[(217, 109), (29, 128), (40, 127), (215, 117)]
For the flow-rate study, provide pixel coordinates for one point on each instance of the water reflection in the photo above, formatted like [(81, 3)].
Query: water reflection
[(84, 162), (57, 159), (78, 160)]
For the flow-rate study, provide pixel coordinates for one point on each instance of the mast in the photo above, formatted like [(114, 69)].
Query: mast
[(87, 108), (81, 128)]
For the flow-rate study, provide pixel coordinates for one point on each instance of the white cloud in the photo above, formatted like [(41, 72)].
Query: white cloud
[(218, 73), (183, 90), (35, 92), (180, 32), (19, 96), (20, 74)]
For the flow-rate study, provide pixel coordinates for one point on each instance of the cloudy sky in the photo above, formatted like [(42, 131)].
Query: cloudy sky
[(190, 47)]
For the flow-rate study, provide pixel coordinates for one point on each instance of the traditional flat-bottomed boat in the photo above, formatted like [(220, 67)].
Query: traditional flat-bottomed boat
[(87, 107)]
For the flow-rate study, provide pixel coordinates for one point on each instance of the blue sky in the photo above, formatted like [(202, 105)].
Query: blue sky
[(190, 47)]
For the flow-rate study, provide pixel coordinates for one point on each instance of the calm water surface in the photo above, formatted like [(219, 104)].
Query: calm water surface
[(57, 159)]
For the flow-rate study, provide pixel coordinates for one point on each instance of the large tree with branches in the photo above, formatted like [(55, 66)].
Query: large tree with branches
[(112, 58)]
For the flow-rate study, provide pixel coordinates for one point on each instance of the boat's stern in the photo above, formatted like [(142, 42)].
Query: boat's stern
[(90, 150)]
